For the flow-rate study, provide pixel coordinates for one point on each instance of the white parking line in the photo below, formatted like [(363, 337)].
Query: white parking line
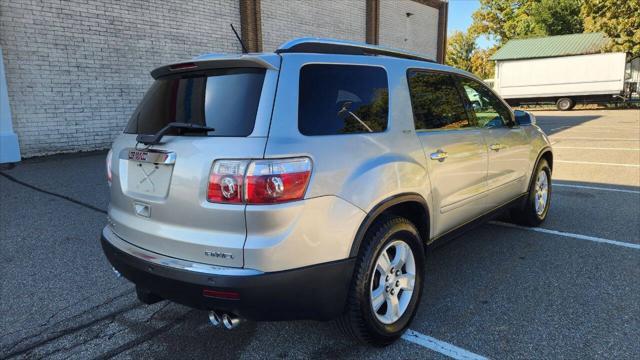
[(596, 148), (596, 163), (597, 188), (593, 138), (442, 347), (571, 235), (594, 127)]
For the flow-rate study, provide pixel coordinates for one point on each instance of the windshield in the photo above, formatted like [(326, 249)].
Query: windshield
[(224, 99)]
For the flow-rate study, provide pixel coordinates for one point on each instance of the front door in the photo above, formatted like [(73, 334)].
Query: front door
[(456, 153), (507, 143)]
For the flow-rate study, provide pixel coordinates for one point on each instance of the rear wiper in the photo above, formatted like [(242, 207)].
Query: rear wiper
[(154, 139)]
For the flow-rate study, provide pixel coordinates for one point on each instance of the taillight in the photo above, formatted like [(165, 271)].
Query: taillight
[(274, 181), (109, 157), (226, 181), (258, 181)]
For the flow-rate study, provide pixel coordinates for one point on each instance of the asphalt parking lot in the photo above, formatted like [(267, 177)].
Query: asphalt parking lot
[(568, 290)]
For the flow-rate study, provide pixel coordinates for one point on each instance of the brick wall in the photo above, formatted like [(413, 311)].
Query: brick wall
[(417, 32), (77, 69), (283, 20)]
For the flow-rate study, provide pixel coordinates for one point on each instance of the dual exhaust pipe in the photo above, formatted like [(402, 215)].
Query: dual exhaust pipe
[(229, 321)]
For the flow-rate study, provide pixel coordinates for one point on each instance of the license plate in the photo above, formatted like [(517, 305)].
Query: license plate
[(138, 155), (152, 156)]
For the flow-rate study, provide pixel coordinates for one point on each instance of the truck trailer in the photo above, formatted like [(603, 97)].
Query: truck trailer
[(564, 70)]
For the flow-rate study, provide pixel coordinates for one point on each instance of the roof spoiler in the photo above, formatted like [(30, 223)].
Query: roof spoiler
[(209, 62)]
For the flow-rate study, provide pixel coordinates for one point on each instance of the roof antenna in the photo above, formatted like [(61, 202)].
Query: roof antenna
[(244, 48)]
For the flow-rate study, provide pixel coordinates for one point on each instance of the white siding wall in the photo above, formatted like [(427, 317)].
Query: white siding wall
[(418, 32)]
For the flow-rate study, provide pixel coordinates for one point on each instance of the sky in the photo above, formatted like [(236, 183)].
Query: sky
[(460, 18)]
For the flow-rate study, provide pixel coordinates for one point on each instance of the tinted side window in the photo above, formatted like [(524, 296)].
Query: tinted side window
[(342, 99), (436, 102), (489, 110)]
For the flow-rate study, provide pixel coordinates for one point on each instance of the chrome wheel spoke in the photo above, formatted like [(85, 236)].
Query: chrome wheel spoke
[(378, 298), (393, 308), (401, 256), (406, 281), (384, 264)]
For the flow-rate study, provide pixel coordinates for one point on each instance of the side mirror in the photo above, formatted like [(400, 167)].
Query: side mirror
[(525, 118)]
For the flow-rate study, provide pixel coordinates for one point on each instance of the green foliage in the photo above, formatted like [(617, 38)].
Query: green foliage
[(481, 66), (619, 20), (557, 17), (463, 54), (460, 48), (509, 19)]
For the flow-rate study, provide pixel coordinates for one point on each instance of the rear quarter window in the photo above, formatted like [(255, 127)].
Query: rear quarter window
[(342, 99)]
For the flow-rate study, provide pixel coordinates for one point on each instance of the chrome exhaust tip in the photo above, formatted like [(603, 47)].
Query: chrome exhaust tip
[(230, 321), (214, 318), (118, 275)]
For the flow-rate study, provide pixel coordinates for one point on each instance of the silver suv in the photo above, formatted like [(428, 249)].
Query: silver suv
[(308, 183)]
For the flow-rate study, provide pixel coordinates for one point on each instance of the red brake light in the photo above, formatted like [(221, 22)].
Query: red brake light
[(182, 66), (229, 295), (258, 181), (276, 181), (226, 181)]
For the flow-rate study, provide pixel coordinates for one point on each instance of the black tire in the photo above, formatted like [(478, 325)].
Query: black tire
[(359, 320), (527, 214), (565, 104)]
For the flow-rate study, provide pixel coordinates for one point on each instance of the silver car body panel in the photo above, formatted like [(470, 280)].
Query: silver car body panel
[(351, 175)]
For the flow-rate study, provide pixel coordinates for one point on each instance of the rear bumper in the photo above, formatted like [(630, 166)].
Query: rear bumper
[(315, 292)]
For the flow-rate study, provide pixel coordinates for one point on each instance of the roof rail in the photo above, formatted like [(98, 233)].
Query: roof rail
[(332, 46)]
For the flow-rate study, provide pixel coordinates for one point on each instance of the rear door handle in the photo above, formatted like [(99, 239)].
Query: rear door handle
[(439, 155), (496, 147)]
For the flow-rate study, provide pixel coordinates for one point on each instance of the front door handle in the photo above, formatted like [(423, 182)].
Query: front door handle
[(439, 155), (496, 147)]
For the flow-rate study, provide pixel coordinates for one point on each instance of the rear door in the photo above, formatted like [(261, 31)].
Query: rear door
[(507, 143), (158, 193), (454, 147)]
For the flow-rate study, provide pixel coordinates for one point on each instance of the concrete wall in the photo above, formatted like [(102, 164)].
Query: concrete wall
[(343, 19), (77, 69), (416, 32)]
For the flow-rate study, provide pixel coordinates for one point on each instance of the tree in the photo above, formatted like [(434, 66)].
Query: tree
[(460, 47), (503, 20), (557, 17), (508, 19), (481, 66), (619, 20)]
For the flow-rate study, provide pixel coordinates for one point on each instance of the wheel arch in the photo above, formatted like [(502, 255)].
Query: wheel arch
[(546, 154), (409, 205)]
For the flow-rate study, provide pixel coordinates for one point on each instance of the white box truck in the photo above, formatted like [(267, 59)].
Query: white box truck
[(561, 70)]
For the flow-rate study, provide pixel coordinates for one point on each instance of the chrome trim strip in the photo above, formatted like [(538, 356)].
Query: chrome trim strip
[(153, 156), (178, 264)]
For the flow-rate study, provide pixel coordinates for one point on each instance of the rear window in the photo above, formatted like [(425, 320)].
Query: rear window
[(225, 99), (342, 99)]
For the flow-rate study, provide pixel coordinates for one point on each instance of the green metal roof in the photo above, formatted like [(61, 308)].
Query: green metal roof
[(552, 46)]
